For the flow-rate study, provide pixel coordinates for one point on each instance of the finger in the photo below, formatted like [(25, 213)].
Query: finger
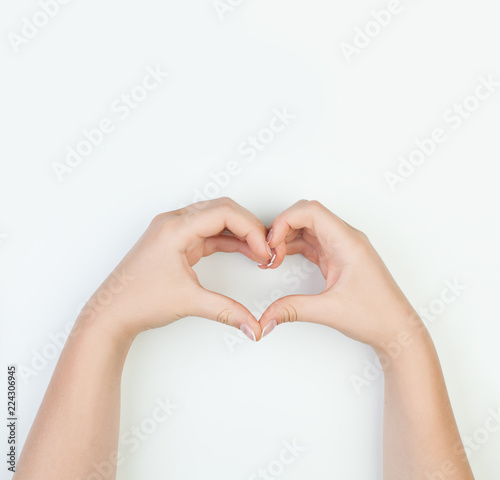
[(292, 234), (283, 249), (280, 249), (300, 246), (227, 244), (207, 219), (298, 308), (225, 310), (278, 256), (311, 239), (314, 219)]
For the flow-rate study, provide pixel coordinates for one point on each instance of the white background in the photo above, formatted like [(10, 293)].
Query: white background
[(238, 402)]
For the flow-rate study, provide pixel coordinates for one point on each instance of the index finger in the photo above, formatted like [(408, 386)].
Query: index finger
[(210, 218), (312, 218)]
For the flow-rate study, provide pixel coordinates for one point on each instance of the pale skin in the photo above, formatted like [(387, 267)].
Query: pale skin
[(77, 425)]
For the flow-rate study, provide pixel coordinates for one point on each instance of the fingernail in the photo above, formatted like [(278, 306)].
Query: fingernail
[(269, 250), (247, 331), (269, 327), (270, 235), (271, 261)]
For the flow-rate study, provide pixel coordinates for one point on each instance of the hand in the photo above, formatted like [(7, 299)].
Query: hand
[(360, 299), (155, 284)]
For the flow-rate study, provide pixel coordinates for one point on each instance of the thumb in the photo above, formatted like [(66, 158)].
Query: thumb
[(225, 310), (301, 308)]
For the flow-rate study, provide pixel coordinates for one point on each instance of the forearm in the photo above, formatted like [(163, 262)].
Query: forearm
[(421, 438), (77, 425)]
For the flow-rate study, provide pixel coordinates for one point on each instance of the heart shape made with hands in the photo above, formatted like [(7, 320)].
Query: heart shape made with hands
[(232, 316), (224, 226), (290, 315), (359, 290), (281, 310)]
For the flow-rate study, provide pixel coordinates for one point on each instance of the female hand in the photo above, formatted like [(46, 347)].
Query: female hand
[(155, 284), (360, 298)]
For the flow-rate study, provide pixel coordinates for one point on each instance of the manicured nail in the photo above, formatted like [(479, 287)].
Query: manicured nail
[(269, 327), (269, 250), (247, 331), (270, 235), (271, 261)]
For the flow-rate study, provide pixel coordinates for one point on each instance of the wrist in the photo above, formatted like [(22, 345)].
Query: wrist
[(409, 340), (102, 328)]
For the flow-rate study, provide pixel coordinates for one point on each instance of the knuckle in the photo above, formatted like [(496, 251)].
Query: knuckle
[(164, 223), (256, 228), (288, 313), (195, 207), (225, 202), (315, 205), (363, 235), (158, 219), (360, 234), (361, 241), (223, 316)]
